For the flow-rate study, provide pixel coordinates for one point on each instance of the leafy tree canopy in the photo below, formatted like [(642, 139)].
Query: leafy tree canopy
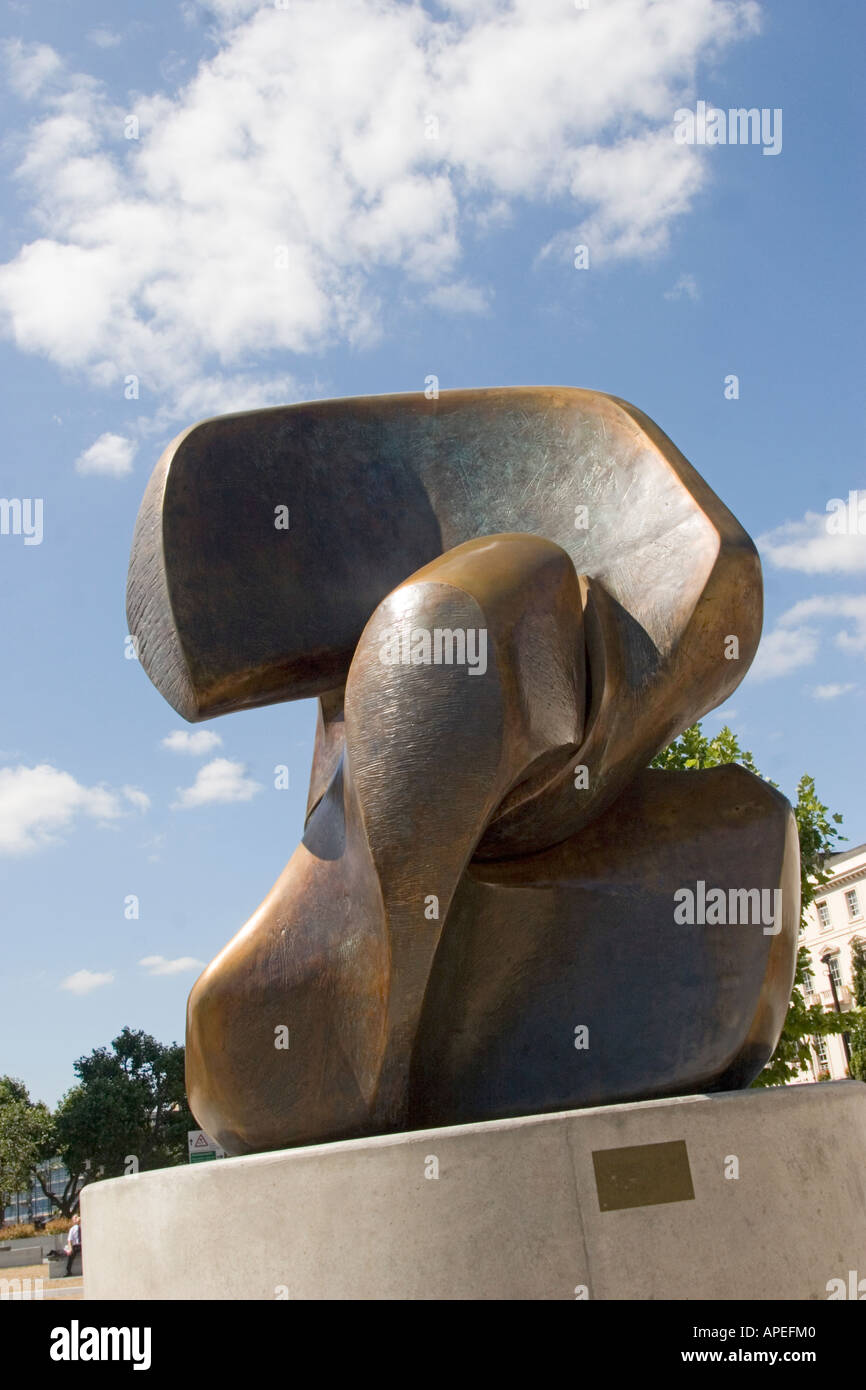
[(857, 1038), (818, 833), (25, 1129), (129, 1102)]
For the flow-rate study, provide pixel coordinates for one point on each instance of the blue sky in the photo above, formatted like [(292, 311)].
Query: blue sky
[(308, 126)]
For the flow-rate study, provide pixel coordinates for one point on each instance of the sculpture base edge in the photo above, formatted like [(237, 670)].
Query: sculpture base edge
[(526, 1209)]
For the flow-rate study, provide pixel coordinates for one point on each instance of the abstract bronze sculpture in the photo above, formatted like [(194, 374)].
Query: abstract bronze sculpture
[(507, 601)]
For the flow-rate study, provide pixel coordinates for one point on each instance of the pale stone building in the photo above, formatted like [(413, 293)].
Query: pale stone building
[(834, 919)]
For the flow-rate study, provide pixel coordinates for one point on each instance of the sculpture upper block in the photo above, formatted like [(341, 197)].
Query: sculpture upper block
[(507, 601)]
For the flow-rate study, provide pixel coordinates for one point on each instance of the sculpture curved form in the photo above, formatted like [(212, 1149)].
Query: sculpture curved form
[(507, 602)]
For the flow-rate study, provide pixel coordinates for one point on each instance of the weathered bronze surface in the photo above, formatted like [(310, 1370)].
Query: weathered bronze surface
[(480, 920)]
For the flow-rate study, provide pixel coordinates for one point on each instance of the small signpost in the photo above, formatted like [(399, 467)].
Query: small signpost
[(201, 1147)]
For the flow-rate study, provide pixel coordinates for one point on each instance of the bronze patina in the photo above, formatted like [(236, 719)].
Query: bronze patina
[(506, 602)]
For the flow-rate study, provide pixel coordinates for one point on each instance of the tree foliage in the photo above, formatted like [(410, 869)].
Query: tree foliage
[(129, 1102), (25, 1128), (818, 833), (857, 1036)]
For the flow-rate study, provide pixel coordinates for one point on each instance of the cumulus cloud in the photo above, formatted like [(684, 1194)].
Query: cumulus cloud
[(831, 691), (111, 455), (218, 781), (29, 66), (783, 651), (38, 804), (635, 191), (795, 641), (103, 37), (159, 965), (139, 799), (814, 546), (84, 981), (220, 393), (836, 609), (460, 297), (195, 742), (256, 208)]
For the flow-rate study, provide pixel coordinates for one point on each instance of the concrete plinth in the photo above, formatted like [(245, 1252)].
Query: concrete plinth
[(747, 1195)]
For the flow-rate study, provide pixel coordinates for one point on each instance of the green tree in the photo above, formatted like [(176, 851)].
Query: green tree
[(857, 1036), (129, 1102), (25, 1129), (818, 834)]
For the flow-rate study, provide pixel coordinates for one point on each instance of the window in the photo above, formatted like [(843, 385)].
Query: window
[(852, 903), (808, 982), (823, 915), (835, 972), (821, 1052)]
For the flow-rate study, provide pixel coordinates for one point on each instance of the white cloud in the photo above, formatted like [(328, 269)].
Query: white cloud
[(37, 804), (807, 545), (29, 66), (831, 692), (198, 742), (139, 799), (103, 37), (636, 191), (222, 394), (83, 981), (155, 843), (686, 287), (784, 650), (460, 297), (794, 642), (835, 608), (159, 965), (218, 781), (230, 10), (110, 455), (261, 203)]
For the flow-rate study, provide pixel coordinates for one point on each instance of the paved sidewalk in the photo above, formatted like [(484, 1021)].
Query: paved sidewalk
[(52, 1288)]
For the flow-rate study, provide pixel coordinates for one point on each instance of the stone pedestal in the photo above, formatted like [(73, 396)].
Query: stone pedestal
[(745, 1195)]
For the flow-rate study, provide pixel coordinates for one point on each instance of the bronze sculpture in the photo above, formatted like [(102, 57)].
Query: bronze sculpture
[(506, 601)]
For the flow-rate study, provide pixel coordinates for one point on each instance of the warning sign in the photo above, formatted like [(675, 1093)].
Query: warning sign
[(201, 1147)]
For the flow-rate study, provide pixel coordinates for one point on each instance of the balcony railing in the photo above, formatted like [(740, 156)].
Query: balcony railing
[(824, 997)]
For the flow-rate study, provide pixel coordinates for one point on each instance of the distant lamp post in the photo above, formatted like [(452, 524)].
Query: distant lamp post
[(827, 958)]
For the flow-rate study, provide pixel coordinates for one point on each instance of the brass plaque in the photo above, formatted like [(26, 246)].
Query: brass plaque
[(643, 1175)]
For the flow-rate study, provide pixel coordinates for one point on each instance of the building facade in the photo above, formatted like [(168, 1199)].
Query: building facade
[(32, 1204), (833, 921)]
